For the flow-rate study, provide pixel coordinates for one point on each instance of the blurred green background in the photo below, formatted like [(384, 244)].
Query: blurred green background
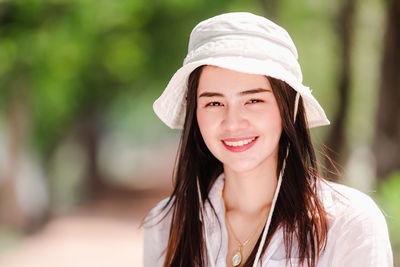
[(81, 147)]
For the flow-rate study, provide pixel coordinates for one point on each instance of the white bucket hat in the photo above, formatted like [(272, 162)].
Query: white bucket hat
[(243, 42)]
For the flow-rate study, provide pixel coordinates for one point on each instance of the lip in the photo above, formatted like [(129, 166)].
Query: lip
[(239, 148)]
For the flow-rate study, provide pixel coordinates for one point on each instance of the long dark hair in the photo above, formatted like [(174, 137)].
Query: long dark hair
[(298, 210)]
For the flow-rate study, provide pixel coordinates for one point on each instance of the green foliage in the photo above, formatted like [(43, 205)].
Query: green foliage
[(388, 198), (72, 59)]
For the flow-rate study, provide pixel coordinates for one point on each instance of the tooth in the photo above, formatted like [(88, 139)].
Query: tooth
[(240, 143)]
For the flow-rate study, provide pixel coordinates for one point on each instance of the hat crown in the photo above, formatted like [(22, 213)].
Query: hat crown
[(243, 26), (242, 42), (243, 35)]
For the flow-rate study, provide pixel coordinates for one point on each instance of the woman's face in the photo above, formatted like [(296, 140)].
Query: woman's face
[(239, 119)]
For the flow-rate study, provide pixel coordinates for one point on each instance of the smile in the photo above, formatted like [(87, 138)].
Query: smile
[(239, 145)]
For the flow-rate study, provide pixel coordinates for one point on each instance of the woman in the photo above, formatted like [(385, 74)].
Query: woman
[(247, 189)]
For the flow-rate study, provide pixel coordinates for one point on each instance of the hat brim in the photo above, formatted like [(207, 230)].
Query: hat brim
[(170, 106)]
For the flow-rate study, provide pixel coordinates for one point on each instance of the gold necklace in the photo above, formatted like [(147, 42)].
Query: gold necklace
[(237, 257)]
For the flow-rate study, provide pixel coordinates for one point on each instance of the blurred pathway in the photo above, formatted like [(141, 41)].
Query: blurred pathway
[(104, 234)]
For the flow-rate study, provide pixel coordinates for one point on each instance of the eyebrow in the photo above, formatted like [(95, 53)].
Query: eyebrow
[(254, 91), (246, 92)]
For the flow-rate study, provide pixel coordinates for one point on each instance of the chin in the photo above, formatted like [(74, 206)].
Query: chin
[(267, 161), (242, 167)]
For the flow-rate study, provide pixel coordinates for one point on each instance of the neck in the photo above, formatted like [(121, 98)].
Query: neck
[(250, 192)]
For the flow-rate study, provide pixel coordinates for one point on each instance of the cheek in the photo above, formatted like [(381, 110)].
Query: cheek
[(204, 123), (271, 122), (208, 125)]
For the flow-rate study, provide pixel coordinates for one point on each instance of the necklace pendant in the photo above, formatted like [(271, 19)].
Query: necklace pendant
[(237, 259)]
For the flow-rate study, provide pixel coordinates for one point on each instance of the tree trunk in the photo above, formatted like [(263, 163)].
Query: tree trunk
[(336, 138), (387, 138), (270, 8), (11, 213), (90, 139)]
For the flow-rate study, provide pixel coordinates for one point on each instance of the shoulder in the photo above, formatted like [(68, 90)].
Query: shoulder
[(341, 201), (357, 224), (159, 217), (350, 210), (156, 233)]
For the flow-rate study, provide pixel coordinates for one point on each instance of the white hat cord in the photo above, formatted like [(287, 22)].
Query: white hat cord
[(274, 199), (209, 250)]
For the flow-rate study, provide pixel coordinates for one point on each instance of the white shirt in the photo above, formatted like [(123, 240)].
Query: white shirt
[(357, 234)]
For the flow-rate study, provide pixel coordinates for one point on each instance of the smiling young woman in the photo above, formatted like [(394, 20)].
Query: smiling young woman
[(247, 189)]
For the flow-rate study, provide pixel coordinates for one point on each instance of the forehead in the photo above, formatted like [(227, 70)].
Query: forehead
[(218, 79)]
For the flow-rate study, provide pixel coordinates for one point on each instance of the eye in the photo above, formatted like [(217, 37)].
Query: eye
[(253, 101), (213, 104)]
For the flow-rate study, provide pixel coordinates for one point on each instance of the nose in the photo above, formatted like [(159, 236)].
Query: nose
[(234, 119)]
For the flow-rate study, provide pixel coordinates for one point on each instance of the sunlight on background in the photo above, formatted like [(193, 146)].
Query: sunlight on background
[(83, 158)]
